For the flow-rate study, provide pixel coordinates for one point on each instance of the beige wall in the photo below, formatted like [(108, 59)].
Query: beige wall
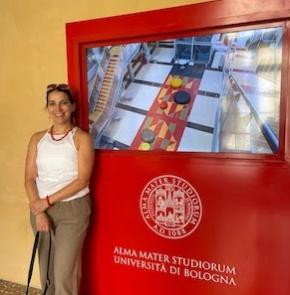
[(33, 54)]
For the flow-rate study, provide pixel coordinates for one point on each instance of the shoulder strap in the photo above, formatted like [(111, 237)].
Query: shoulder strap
[(74, 130)]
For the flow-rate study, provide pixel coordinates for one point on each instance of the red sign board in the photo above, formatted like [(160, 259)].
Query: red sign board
[(182, 223)]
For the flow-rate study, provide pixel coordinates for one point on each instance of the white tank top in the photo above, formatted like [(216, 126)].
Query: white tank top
[(57, 165)]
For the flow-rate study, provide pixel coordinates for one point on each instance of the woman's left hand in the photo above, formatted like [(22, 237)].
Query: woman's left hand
[(38, 206)]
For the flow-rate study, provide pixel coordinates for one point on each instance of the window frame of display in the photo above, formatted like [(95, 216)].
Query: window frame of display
[(166, 24)]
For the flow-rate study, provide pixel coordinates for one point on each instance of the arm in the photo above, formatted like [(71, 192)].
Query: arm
[(85, 167), (42, 220), (31, 169)]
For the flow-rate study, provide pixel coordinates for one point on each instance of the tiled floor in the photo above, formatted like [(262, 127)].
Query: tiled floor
[(154, 73), (195, 140), (204, 111), (212, 81), (163, 54), (8, 288), (140, 96), (125, 127)]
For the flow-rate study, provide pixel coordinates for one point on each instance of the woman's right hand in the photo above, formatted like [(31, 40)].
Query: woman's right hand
[(43, 223)]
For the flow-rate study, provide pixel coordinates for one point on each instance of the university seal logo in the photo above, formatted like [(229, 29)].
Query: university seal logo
[(171, 207)]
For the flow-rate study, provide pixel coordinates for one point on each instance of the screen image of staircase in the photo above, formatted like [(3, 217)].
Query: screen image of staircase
[(108, 77), (235, 106), (104, 99)]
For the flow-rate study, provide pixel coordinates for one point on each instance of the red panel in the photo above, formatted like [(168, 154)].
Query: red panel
[(245, 223), (245, 198)]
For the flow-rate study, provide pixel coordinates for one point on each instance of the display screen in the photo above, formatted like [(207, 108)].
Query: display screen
[(206, 93)]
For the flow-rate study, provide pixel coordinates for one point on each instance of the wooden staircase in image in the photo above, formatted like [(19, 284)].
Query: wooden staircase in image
[(104, 100)]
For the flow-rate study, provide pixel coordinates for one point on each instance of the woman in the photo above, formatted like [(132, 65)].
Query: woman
[(58, 168)]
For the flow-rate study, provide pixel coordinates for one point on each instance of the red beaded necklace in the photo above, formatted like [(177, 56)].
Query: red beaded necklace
[(58, 139)]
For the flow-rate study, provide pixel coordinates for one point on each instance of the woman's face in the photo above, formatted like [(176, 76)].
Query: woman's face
[(59, 107)]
